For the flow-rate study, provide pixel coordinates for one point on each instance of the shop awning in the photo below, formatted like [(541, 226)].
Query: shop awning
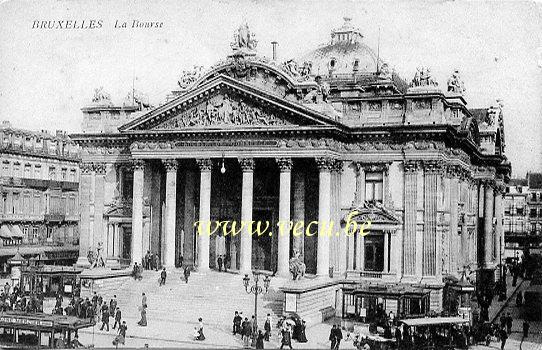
[(5, 232), (16, 231)]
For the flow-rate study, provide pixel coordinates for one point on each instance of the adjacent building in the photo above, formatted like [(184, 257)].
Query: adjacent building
[(523, 215), (332, 137), (39, 203)]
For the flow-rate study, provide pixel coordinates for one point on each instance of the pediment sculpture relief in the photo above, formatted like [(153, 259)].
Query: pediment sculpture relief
[(222, 110)]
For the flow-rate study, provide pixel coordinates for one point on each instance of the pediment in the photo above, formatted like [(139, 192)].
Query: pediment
[(376, 213), (226, 103)]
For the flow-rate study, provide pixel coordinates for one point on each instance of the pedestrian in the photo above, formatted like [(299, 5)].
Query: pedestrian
[(186, 273), (113, 306), (525, 329), (105, 318), (333, 338), (219, 262), (147, 260), (156, 261), (267, 327), (286, 338), (259, 340), (118, 316), (246, 329), (302, 338), (503, 335), (135, 271), (163, 275), (508, 323), (121, 337), (502, 320), (338, 336), (143, 321), (181, 261), (519, 299), (7, 287), (237, 323), (143, 299), (201, 336)]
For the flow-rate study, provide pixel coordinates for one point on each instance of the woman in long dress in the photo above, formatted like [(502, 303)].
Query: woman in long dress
[(201, 336), (143, 321)]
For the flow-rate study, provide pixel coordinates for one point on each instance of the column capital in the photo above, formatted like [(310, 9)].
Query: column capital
[(375, 166), (337, 166), (86, 168), (432, 167), (247, 164), (411, 166), (324, 164), (99, 168), (170, 164), (284, 164), (204, 164), (138, 164)]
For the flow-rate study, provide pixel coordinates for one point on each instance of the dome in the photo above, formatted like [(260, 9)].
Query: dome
[(344, 54)]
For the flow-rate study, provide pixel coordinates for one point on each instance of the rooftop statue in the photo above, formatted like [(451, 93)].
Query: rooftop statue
[(296, 71), (423, 78), (101, 97), (455, 83), (189, 77), (243, 38), (137, 98)]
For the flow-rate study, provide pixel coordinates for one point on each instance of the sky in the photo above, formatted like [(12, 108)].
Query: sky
[(47, 75)]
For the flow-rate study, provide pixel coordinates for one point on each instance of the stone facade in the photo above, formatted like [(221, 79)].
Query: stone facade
[(252, 139)]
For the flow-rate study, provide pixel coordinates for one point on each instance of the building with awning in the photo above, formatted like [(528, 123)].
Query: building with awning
[(39, 184)]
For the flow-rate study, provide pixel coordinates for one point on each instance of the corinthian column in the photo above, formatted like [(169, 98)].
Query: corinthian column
[(99, 189), (205, 166), (84, 223), (285, 166), (409, 230), (488, 223), (247, 165), (324, 214), (432, 169), (137, 212), (171, 166), (498, 235)]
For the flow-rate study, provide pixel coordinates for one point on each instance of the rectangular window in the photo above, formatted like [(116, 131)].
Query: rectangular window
[(374, 187), (5, 169), (374, 252), (64, 174), (37, 172), (28, 171), (52, 173), (35, 233), (16, 170), (25, 232), (72, 175), (533, 213), (5, 203), (16, 203), (520, 211), (533, 197), (49, 232)]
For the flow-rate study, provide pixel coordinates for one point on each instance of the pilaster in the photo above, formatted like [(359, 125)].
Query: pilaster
[(84, 222), (432, 169), (411, 169)]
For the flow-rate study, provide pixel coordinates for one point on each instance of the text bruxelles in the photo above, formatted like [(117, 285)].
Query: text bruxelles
[(298, 228)]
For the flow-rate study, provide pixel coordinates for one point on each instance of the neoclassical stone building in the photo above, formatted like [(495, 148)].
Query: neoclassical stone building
[(312, 140)]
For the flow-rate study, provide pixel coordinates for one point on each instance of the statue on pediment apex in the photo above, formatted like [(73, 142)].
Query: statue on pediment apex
[(189, 77), (244, 39), (101, 97), (455, 83)]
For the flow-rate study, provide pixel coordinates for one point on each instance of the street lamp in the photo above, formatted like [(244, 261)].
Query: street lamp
[(256, 290)]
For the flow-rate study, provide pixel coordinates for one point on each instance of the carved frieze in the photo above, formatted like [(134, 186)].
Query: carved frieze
[(222, 110)]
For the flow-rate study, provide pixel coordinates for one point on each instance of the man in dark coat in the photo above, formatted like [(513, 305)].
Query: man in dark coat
[(219, 262), (338, 336), (237, 323), (105, 318), (333, 338), (118, 316), (508, 323), (163, 275), (525, 329)]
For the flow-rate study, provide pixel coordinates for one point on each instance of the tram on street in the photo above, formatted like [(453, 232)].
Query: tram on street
[(19, 330)]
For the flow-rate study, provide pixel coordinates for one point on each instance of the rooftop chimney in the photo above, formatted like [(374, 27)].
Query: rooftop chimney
[(274, 43)]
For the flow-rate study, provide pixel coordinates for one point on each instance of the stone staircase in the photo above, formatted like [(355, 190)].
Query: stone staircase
[(213, 296)]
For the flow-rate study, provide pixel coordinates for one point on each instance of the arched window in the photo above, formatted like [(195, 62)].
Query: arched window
[(356, 64), (332, 64)]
